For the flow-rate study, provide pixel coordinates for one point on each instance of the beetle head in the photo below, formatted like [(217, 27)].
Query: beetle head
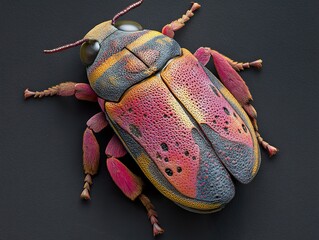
[(95, 37)]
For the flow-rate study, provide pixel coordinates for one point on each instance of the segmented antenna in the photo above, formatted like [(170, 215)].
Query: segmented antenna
[(127, 9), (70, 45), (67, 46)]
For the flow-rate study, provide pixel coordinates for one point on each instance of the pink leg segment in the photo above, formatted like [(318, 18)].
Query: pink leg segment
[(203, 55), (226, 69), (172, 27), (81, 91), (115, 148), (91, 151), (240, 66), (128, 182)]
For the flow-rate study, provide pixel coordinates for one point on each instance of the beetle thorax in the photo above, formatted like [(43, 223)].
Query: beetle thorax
[(126, 58)]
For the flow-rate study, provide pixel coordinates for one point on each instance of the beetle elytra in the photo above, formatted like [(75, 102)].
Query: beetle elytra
[(188, 131)]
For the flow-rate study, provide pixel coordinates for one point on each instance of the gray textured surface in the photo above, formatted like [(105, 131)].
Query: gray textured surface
[(41, 140), (213, 181), (240, 164), (119, 77)]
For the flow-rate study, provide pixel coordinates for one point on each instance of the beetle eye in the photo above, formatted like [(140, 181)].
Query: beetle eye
[(89, 51), (128, 26)]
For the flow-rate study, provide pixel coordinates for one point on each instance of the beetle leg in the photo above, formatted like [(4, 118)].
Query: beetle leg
[(130, 184), (91, 151), (271, 149), (203, 55), (226, 69), (172, 27), (81, 91), (237, 86), (115, 148), (240, 66), (229, 77), (151, 214)]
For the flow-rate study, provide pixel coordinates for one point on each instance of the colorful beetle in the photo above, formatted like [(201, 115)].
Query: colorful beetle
[(186, 130)]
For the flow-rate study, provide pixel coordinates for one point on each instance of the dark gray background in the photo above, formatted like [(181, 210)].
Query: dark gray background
[(41, 165)]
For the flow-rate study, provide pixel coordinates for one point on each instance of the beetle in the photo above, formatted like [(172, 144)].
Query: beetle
[(188, 131)]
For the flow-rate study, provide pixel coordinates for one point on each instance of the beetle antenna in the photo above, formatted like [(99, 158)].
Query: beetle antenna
[(127, 9), (67, 46)]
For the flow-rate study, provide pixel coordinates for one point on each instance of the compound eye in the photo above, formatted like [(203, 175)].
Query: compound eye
[(128, 26), (89, 51)]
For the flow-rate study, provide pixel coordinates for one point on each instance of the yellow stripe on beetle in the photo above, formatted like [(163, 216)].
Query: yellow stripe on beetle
[(107, 64), (144, 162), (148, 36), (115, 58)]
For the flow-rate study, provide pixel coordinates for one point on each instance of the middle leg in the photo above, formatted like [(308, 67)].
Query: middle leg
[(91, 151), (128, 182)]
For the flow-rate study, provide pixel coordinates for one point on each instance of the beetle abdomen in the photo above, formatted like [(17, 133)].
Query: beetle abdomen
[(169, 147)]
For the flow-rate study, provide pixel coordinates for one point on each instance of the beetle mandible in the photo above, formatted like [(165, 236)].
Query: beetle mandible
[(188, 131)]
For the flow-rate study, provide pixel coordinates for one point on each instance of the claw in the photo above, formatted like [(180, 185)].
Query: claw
[(157, 229), (195, 6), (87, 187), (28, 93), (272, 150), (152, 215), (85, 194), (257, 64)]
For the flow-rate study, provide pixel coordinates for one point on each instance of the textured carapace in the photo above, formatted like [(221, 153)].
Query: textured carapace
[(121, 64), (187, 131), (224, 123), (175, 118)]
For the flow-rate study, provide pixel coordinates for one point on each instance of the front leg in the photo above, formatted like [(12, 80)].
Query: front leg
[(81, 91), (91, 148), (172, 27)]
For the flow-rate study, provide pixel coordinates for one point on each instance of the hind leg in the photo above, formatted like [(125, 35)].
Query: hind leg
[(226, 69), (128, 182)]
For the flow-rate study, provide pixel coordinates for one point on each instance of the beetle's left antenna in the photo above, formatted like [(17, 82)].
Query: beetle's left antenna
[(67, 46), (125, 10)]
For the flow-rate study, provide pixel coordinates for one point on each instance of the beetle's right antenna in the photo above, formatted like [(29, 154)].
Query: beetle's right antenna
[(127, 9)]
